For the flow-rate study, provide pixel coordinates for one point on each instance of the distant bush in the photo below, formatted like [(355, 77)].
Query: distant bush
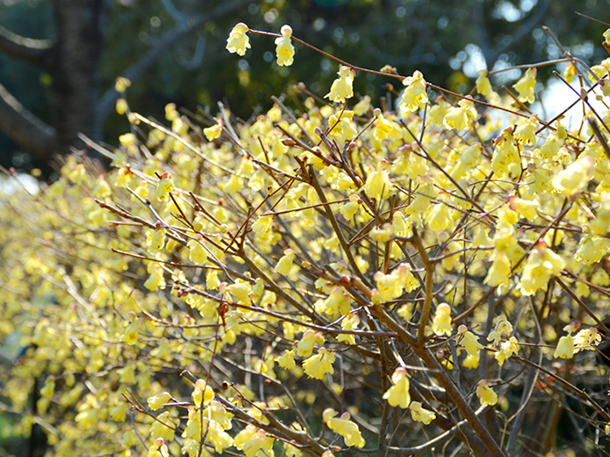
[(321, 279)]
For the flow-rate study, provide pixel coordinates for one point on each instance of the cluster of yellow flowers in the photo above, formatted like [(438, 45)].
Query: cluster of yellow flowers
[(309, 271)]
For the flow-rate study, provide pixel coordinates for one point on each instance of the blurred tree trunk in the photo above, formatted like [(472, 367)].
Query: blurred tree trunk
[(75, 71)]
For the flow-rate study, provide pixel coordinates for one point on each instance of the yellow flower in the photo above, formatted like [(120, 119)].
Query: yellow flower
[(378, 185), (344, 427), (485, 393), (158, 401), (587, 339), (214, 131), (202, 393), (121, 84), (469, 341), (158, 449), (505, 159), (398, 394), (525, 86), (251, 440), (119, 413), (503, 327), (238, 40), (318, 365), (499, 272), (156, 239), (383, 127), (441, 324), (286, 361), (342, 87), (48, 388), (197, 252), (164, 187), (569, 72), (540, 267), (155, 280), (307, 342), (414, 96), (526, 208), (575, 176), (460, 117), (284, 49), (362, 106), (526, 132), (606, 36), (507, 350), (483, 85), (420, 414), (348, 323), (565, 347)]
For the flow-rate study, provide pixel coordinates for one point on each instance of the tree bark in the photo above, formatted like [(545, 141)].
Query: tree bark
[(75, 71)]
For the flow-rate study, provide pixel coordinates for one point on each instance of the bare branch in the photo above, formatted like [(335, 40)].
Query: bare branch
[(23, 48), (24, 128)]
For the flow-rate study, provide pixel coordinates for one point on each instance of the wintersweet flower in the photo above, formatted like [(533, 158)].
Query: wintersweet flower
[(526, 131), (503, 328), (486, 394), (158, 401), (441, 324), (156, 239), (165, 186), (383, 127), (575, 176), (414, 96), (505, 159), (483, 85), (499, 273), (251, 440), (307, 342), (526, 208), (284, 49), (469, 341), (213, 132), (420, 414), (216, 435), (155, 280), (587, 339), (202, 393), (378, 185), (158, 449), (238, 40), (320, 364), (344, 427), (197, 252), (540, 267), (285, 263), (348, 323), (507, 350), (286, 361), (525, 86), (565, 347), (119, 413), (460, 117), (342, 87), (398, 394)]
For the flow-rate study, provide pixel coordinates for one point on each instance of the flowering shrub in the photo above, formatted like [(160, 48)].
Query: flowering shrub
[(295, 284)]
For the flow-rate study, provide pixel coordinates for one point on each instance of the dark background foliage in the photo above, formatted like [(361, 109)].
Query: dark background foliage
[(173, 50)]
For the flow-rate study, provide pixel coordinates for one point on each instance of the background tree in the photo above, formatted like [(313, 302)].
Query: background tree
[(80, 49)]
